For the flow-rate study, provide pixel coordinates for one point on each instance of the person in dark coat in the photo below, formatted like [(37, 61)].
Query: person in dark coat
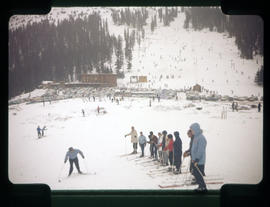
[(259, 107), (177, 148)]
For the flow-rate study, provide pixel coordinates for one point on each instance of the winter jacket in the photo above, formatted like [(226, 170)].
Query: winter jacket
[(169, 146), (177, 148), (142, 139), (163, 143), (198, 149), (134, 136), (73, 154), (155, 139)]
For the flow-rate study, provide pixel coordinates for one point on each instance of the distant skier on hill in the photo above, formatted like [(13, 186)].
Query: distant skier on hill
[(198, 155), (43, 129), (39, 131), (72, 156), (83, 113), (134, 139), (259, 107)]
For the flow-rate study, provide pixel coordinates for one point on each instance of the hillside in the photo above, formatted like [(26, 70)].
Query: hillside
[(171, 57)]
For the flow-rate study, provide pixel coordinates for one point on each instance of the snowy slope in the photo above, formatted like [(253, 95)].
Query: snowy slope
[(234, 149)]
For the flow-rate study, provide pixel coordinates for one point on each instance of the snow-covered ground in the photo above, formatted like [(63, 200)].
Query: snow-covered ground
[(234, 149)]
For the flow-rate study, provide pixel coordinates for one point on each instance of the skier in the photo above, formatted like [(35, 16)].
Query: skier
[(177, 149), (233, 106), (150, 136), (98, 109), (83, 113), (39, 131), (153, 145), (72, 155), (159, 147), (169, 148), (188, 152), (150, 103), (134, 139), (236, 106), (142, 142), (259, 107), (198, 152), (43, 129), (163, 145)]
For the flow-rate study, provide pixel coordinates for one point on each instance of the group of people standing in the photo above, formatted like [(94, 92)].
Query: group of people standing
[(168, 151), (41, 131)]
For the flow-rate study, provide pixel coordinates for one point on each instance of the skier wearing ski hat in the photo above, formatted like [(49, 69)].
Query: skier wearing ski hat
[(72, 155), (198, 151)]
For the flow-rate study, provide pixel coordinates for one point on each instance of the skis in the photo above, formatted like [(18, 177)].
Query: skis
[(75, 175), (183, 185), (125, 155)]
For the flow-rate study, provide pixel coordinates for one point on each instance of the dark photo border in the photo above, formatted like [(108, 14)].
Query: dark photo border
[(41, 195)]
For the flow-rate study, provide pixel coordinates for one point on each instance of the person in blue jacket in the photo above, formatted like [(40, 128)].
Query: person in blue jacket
[(198, 155), (39, 131), (72, 156), (142, 142)]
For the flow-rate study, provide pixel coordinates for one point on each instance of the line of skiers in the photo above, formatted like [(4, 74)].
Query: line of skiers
[(41, 131), (166, 150)]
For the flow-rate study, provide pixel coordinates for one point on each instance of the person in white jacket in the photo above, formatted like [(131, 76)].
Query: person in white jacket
[(134, 139)]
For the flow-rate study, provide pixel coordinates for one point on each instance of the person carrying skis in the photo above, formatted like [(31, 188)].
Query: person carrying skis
[(169, 148), (43, 129), (134, 139), (142, 142), (177, 149), (198, 155), (39, 131), (72, 156)]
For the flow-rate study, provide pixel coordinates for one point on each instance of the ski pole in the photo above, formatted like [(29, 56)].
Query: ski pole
[(59, 180), (86, 166)]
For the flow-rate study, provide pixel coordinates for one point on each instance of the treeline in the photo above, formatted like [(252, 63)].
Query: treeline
[(62, 52), (247, 30), (134, 18), (259, 76)]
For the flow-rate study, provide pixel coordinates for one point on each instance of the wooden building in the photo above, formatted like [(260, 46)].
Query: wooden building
[(138, 79), (103, 79), (197, 87)]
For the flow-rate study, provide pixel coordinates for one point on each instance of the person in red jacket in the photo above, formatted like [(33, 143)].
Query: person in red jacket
[(169, 148)]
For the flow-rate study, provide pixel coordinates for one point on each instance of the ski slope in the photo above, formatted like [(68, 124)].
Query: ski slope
[(234, 145)]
